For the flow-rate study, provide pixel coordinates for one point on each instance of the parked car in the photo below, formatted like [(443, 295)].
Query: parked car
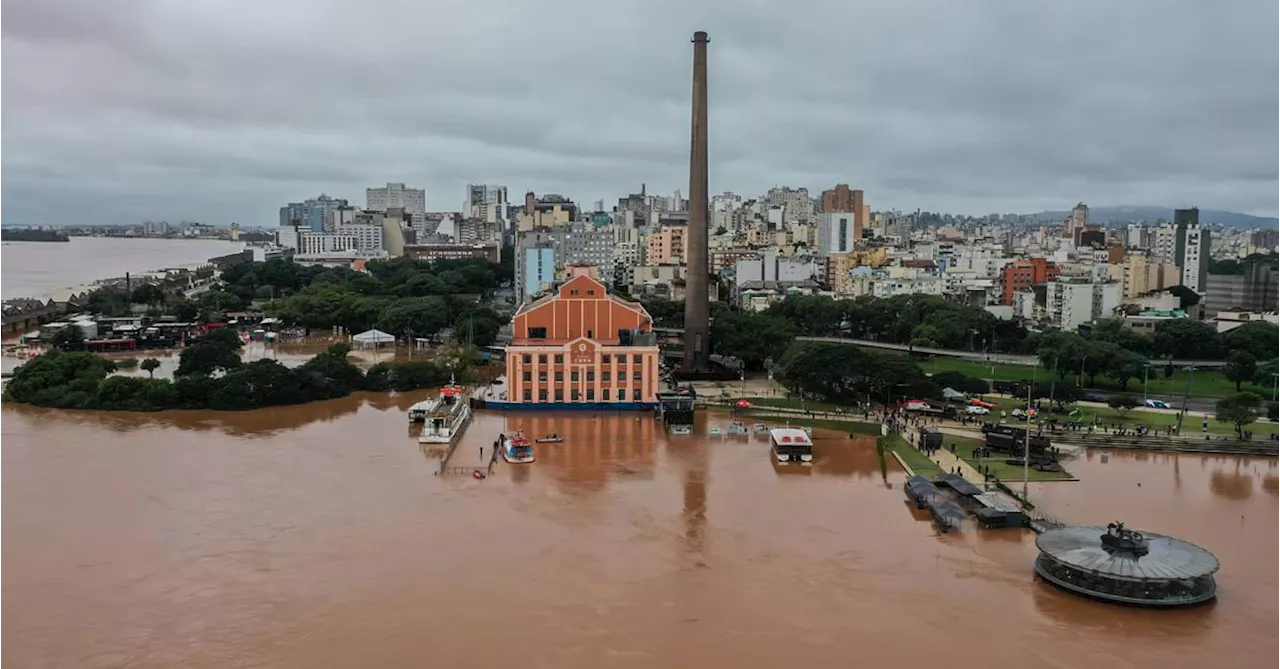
[(975, 410), (1157, 404), (1095, 397)]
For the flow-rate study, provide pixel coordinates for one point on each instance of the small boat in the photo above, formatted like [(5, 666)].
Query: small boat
[(549, 439), (738, 429), (681, 429), (716, 432), (760, 429), (516, 449)]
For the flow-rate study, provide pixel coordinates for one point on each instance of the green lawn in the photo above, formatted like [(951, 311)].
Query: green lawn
[(1004, 471), (916, 460), (794, 403), (1204, 384), (1136, 417)]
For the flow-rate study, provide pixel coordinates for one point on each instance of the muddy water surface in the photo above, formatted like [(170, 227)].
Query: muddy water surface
[(319, 535)]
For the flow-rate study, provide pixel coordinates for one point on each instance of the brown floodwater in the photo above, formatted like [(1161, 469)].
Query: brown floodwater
[(320, 535)]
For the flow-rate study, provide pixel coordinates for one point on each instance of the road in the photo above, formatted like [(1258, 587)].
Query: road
[(1000, 358)]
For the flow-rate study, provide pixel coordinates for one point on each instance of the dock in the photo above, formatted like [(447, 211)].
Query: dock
[(466, 460)]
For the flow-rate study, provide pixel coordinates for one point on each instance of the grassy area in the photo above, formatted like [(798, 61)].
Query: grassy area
[(1208, 383), (1006, 472), (1135, 417), (821, 423), (916, 460), (794, 403)]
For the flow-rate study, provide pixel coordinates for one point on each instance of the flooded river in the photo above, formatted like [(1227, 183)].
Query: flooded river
[(320, 535)]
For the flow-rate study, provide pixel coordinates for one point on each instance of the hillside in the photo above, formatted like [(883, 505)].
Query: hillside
[(1127, 213)]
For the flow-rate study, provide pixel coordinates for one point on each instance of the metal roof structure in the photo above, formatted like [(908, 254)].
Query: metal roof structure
[(1120, 565), (1166, 557)]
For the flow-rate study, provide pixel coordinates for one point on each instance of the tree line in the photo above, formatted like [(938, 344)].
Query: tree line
[(211, 376)]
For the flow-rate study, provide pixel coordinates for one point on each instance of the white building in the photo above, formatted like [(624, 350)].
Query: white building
[(836, 232), (1192, 248), (396, 196), (771, 267), (366, 237), (1070, 304)]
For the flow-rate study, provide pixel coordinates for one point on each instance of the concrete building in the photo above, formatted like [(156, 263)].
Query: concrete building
[(538, 269), (582, 348), (1139, 274), (1024, 274), (842, 199), (433, 252), (1253, 290), (1077, 222), (314, 215), (771, 268), (487, 203), (1191, 248), (669, 244), (838, 232), (396, 196), (1070, 303)]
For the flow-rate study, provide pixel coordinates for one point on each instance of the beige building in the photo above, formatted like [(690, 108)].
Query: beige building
[(1139, 275), (668, 245), (553, 216)]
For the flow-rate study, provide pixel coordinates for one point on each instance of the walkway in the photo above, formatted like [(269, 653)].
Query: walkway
[(947, 461), (468, 458)]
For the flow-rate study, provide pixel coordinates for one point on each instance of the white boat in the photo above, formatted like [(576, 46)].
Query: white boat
[(738, 429), (681, 429), (516, 449), (760, 429), (716, 432), (443, 418), (791, 446)]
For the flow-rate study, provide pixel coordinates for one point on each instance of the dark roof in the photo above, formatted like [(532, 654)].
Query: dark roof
[(1166, 559), (959, 484)]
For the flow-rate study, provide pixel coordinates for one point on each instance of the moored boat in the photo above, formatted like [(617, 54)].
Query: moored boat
[(791, 446), (760, 429), (516, 449), (444, 417), (680, 429), (738, 429), (549, 439)]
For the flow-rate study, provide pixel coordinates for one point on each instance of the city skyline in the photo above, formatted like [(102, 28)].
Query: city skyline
[(113, 119)]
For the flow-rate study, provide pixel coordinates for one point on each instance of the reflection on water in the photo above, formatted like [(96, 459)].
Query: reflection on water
[(320, 535)]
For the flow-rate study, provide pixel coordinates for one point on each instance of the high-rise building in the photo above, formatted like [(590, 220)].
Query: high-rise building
[(839, 198), (396, 196), (837, 232), (1077, 221), (1024, 274), (314, 215), (1191, 248)]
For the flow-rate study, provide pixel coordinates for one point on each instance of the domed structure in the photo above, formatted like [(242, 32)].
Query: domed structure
[(1116, 564)]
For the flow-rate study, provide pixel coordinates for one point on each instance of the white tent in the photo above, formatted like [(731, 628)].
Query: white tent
[(952, 394), (373, 339)]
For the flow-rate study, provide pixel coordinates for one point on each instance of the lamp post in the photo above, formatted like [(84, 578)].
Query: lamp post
[(1146, 372)]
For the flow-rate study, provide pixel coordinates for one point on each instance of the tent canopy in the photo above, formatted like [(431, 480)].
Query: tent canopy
[(952, 394), (373, 337)]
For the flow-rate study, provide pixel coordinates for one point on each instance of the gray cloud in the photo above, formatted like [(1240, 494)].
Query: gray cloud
[(219, 111)]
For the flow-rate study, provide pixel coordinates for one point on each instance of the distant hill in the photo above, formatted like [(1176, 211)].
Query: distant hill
[(1127, 213)]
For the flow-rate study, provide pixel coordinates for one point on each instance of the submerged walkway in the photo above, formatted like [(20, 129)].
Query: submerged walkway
[(468, 458)]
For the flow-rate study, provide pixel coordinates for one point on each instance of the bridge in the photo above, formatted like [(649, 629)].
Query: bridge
[(1001, 358)]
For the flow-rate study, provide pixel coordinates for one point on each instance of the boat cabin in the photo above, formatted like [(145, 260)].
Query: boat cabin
[(791, 444)]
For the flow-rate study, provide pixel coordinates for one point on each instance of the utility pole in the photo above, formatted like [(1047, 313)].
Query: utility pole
[(1146, 371), (1191, 373), (1026, 442)]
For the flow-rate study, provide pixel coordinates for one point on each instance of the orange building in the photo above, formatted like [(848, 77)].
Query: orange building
[(1026, 273), (582, 348)]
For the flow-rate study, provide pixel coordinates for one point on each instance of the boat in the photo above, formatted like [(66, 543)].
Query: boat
[(738, 429), (791, 446), (516, 449), (716, 432), (444, 417), (549, 439), (681, 429), (760, 429)]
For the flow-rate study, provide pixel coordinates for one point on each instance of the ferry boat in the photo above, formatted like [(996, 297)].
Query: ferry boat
[(443, 417), (791, 445), (738, 429), (516, 449)]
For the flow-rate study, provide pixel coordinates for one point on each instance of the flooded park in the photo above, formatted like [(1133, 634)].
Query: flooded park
[(324, 535)]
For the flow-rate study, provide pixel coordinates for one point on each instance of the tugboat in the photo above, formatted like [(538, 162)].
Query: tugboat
[(443, 417), (515, 448)]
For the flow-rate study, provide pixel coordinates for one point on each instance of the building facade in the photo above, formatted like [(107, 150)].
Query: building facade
[(838, 232), (582, 348), (1191, 249), (668, 245), (1024, 274), (396, 196)]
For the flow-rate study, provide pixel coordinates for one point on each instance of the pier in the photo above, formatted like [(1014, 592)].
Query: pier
[(466, 460)]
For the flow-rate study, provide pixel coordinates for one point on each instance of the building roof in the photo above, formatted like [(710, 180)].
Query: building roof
[(1166, 558)]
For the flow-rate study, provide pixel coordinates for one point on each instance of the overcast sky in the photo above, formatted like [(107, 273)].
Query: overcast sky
[(115, 111)]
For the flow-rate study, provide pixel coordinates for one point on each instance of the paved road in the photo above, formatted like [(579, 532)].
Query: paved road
[(1003, 358)]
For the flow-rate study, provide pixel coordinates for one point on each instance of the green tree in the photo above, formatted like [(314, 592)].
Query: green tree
[(148, 294), (752, 337), (1062, 351), (812, 315), (207, 356), (184, 310), (1118, 332), (1240, 410), (419, 316), (1122, 402), (66, 338), (1185, 339), (1123, 365), (58, 379), (150, 365), (1259, 338), (1241, 367)]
